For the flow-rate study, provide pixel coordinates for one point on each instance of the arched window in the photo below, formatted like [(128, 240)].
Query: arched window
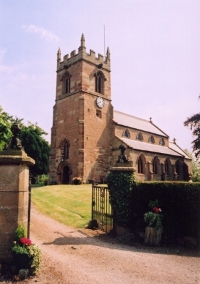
[(151, 139), (126, 133), (99, 82), (141, 164), (67, 84), (155, 165), (162, 142), (64, 146), (139, 136), (167, 166), (66, 151), (178, 167)]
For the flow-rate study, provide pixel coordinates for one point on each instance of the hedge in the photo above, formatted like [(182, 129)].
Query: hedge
[(180, 204), (179, 201)]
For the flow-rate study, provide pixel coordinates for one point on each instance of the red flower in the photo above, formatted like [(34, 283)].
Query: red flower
[(156, 210), (26, 241)]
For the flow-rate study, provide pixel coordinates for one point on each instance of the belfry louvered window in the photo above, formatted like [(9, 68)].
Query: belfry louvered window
[(99, 82), (67, 84)]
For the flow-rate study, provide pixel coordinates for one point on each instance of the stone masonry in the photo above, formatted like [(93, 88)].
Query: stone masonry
[(14, 182), (87, 131), (77, 119)]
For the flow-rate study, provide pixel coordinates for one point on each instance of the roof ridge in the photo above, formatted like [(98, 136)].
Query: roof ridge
[(186, 156), (160, 129)]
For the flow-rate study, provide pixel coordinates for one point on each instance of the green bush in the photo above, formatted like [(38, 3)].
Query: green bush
[(42, 179), (20, 232), (154, 217), (196, 177), (25, 254)]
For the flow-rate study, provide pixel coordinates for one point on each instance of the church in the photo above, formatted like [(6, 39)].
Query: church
[(87, 132)]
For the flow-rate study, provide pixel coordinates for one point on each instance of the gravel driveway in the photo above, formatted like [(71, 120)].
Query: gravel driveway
[(73, 256)]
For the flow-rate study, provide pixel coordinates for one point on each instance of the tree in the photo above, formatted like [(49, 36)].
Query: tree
[(194, 123), (195, 167), (36, 147), (33, 143), (5, 124)]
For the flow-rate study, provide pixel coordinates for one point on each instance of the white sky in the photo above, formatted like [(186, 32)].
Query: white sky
[(155, 56)]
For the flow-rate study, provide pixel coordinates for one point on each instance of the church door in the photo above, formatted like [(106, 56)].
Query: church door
[(65, 175)]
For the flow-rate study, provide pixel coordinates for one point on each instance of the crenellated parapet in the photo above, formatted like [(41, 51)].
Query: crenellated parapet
[(74, 56)]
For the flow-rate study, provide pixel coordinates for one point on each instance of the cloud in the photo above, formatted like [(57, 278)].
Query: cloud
[(42, 32), (7, 69)]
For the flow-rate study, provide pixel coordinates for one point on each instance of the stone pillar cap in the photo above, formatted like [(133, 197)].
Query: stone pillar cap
[(14, 156), (122, 169)]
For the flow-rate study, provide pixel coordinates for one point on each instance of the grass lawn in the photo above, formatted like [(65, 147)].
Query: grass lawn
[(68, 204)]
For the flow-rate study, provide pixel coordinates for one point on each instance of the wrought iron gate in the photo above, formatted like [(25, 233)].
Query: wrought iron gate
[(101, 208)]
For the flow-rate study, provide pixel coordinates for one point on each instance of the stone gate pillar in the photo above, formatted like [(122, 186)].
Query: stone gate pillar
[(14, 194), (123, 165)]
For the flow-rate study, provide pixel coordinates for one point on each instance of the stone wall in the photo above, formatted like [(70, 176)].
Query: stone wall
[(14, 194), (119, 130), (77, 118), (133, 156)]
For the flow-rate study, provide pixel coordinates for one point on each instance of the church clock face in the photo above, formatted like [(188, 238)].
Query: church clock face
[(100, 102)]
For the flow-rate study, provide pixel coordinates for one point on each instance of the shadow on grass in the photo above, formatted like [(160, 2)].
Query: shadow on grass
[(128, 242)]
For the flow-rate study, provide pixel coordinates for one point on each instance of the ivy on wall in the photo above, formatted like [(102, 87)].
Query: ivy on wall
[(120, 186)]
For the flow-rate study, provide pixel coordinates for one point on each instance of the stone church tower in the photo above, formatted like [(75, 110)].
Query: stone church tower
[(82, 130)]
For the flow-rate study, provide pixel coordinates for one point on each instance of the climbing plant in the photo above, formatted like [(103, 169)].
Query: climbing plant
[(120, 186)]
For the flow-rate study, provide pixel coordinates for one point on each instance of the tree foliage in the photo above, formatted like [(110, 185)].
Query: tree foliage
[(32, 140), (195, 167), (194, 123), (5, 123), (36, 147)]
